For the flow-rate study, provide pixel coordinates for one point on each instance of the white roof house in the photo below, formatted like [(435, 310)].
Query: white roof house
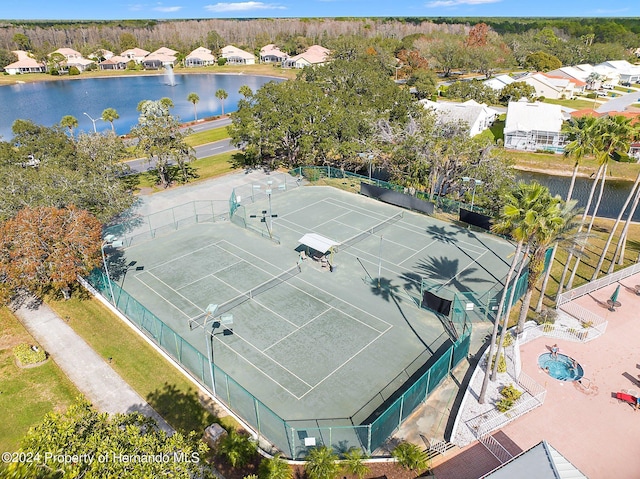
[(477, 116), (626, 72), (314, 55), (499, 82), (162, 57), (80, 63), (25, 64), (235, 55), (551, 87), (200, 57), (534, 126), (68, 53), (135, 54), (542, 461), (272, 54)]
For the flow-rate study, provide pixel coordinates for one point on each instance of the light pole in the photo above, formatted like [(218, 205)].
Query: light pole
[(476, 182), (109, 240), (93, 120), (368, 157)]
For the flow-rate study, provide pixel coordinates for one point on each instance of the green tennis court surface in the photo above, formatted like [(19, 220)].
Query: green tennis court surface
[(317, 346)]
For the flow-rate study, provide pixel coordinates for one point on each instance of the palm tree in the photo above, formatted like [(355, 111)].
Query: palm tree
[(354, 463), (623, 236), (556, 225), (411, 457), (322, 463), (222, 95), (245, 91), (194, 98), (614, 228), (517, 218), (274, 468), (237, 448), (70, 122), (110, 115), (613, 140)]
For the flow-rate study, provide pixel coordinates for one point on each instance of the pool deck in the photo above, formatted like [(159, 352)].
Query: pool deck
[(597, 433)]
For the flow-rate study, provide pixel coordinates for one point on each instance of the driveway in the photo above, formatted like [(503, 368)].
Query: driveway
[(621, 101)]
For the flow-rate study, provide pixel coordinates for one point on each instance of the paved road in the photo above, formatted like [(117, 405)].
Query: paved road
[(142, 164), (620, 102), (101, 385)]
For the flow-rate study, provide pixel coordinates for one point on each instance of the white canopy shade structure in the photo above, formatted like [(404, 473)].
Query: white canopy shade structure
[(317, 242)]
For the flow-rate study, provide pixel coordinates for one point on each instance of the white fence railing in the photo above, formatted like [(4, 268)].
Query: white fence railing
[(577, 333), (495, 448), (597, 284)]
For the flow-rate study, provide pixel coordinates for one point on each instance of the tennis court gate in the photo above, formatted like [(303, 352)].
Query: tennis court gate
[(293, 438)]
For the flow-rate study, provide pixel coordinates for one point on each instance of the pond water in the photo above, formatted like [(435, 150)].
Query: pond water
[(46, 103), (614, 196)]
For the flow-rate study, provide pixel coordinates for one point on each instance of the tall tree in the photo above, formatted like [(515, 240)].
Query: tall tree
[(605, 248), (222, 95), (45, 248), (110, 115), (519, 218), (556, 224), (194, 98), (160, 137)]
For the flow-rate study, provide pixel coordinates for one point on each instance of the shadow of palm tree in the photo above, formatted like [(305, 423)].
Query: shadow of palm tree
[(183, 410), (440, 233), (391, 292), (448, 271)]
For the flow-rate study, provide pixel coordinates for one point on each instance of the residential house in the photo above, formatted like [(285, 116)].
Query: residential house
[(101, 55), (236, 56), (540, 461), (534, 126), (73, 58), (163, 57), (314, 55), (25, 64), (272, 54), (115, 62), (200, 57), (477, 116), (627, 73), (498, 82), (135, 54), (553, 87)]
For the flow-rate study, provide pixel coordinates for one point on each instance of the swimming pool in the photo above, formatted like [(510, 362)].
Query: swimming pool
[(561, 367)]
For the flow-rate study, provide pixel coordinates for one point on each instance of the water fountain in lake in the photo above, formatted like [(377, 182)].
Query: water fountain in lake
[(170, 77)]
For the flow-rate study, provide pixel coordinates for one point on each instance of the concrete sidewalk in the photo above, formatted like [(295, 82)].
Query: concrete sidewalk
[(83, 366)]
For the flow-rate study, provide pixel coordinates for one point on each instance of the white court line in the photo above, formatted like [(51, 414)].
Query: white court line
[(184, 255), (417, 252), (475, 261), (211, 274), (162, 297), (296, 330), (347, 361), (176, 292), (262, 372), (267, 357)]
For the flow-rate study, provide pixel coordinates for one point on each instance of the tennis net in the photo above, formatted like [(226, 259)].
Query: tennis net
[(365, 234), (261, 288)]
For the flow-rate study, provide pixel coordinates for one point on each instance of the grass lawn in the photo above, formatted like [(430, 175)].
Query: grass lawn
[(172, 395), (207, 136), (559, 165), (205, 168), (575, 104), (26, 394)]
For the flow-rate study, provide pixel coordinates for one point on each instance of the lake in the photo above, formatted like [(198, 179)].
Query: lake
[(45, 103), (614, 196)]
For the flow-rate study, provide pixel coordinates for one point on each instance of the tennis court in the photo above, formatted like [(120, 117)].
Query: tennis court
[(315, 346)]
